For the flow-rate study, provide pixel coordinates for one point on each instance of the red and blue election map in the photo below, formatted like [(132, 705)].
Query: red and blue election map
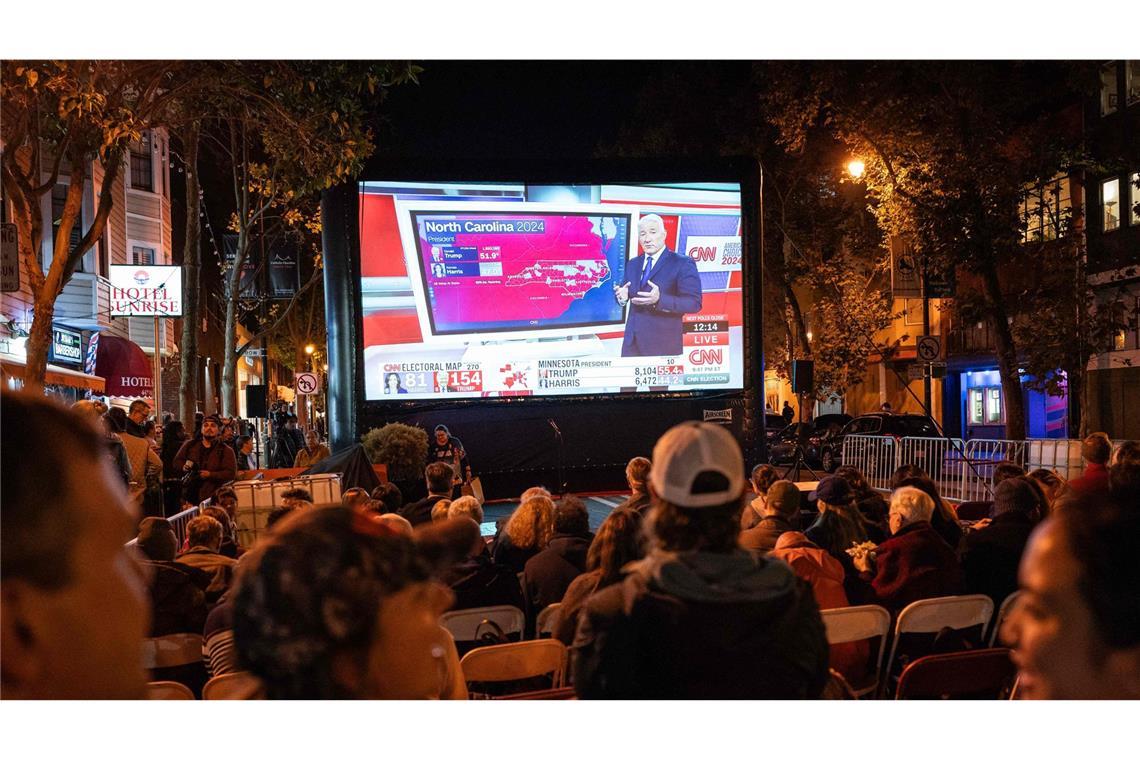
[(503, 272)]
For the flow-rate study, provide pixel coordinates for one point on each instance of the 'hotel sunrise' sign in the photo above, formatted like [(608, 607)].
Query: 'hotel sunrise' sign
[(146, 291)]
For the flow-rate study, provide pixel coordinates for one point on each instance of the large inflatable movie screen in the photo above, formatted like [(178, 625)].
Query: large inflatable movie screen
[(473, 290)]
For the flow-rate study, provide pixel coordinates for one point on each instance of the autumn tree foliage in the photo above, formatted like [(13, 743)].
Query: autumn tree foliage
[(61, 118), (950, 149)]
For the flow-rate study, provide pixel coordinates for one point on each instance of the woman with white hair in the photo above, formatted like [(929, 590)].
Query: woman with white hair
[(915, 562)]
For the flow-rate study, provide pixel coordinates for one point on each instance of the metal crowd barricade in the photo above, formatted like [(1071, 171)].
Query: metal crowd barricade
[(941, 458), (1057, 454), (178, 522), (982, 455), (181, 520), (963, 470), (875, 456)]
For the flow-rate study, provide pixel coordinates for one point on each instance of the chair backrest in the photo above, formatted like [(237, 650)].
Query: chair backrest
[(957, 612), (172, 650), (168, 690), (516, 661), (241, 685), (565, 692), (220, 653), (463, 624), (932, 615), (546, 620), (976, 674), (1003, 613), (868, 621)]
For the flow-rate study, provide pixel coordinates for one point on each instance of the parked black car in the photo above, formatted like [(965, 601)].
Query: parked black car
[(897, 425), (782, 450), (773, 424)]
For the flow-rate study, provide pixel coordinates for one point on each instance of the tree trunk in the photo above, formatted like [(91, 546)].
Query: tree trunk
[(1075, 388), (1006, 355), (191, 263), (229, 364), (39, 339)]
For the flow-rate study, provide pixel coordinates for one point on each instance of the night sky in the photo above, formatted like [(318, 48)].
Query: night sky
[(517, 109)]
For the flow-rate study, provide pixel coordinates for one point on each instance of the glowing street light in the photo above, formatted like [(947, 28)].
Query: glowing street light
[(309, 349), (855, 168)]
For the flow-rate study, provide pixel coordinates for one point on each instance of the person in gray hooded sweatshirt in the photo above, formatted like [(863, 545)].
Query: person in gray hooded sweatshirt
[(699, 617)]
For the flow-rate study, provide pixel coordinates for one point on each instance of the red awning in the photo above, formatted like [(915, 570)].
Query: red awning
[(126, 368)]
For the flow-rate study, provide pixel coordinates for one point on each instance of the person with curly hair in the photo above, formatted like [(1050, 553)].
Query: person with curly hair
[(338, 604), (526, 533)]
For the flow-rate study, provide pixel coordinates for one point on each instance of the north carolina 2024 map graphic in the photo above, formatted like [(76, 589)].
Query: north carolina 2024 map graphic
[(498, 271)]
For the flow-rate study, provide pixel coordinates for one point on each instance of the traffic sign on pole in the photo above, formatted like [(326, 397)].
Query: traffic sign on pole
[(307, 383), (928, 348)]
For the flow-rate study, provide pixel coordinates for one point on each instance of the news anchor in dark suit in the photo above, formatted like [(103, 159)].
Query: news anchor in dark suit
[(666, 286)]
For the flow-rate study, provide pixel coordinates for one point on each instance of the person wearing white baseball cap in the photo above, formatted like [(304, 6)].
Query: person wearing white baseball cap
[(699, 617)]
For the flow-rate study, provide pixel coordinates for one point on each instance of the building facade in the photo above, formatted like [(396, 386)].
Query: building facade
[(1113, 229), (137, 232)]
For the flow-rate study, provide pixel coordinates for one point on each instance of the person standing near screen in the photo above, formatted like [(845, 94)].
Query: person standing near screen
[(446, 448), (665, 286)]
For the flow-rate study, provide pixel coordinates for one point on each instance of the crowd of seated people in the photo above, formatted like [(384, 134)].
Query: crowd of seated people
[(344, 601)]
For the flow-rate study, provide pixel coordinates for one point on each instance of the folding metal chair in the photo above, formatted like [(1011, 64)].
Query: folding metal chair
[(933, 615), (172, 650), (241, 685), (464, 624), (868, 621), (516, 661), (976, 674), (546, 620), (1003, 612), (168, 690)]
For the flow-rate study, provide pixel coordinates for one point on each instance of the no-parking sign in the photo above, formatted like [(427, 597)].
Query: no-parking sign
[(307, 383)]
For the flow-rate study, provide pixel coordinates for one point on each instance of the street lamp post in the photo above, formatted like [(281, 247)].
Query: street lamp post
[(856, 168), (309, 349)]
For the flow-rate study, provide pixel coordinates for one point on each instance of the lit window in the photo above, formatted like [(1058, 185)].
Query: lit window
[(1046, 210), (1110, 202), (993, 405), (1109, 98), (1132, 81), (1134, 191), (976, 406)]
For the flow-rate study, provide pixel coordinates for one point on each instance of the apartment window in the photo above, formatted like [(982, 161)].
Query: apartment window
[(1109, 97), (1110, 203), (1046, 210), (142, 164), (1132, 82), (1134, 204), (1124, 324), (141, 256)]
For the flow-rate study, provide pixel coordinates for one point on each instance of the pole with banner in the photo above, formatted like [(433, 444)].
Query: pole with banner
[(157, 370)]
